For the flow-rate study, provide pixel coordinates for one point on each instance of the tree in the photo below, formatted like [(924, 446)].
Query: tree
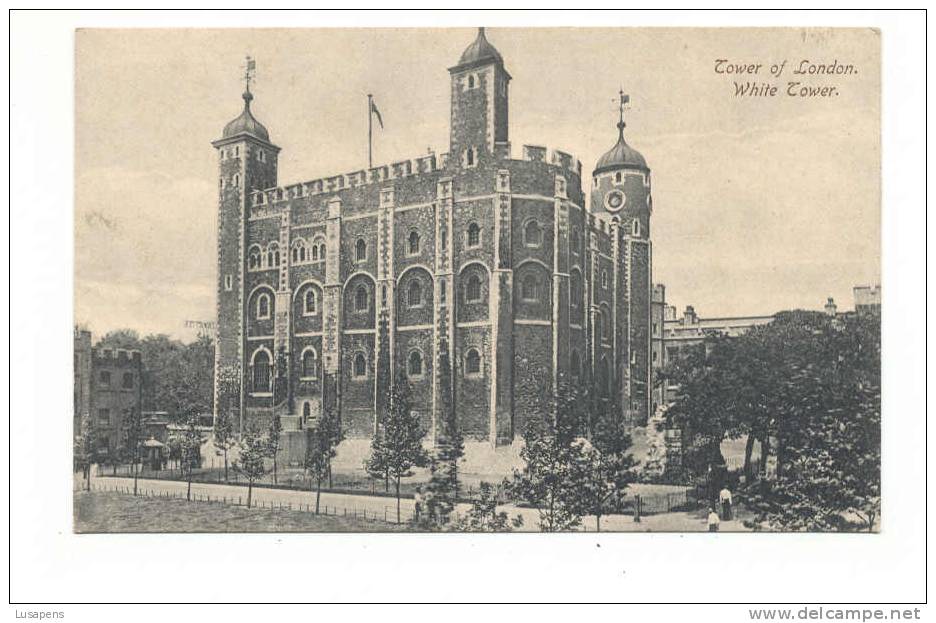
[(190, 442), (807, 387), (251, 460), (829, 433), (274, 436), (178, 378), (84, 448), (484, 516), (397, 447), (133, 438), (602, 468), (224, 438), (321, 447), (546, 479)]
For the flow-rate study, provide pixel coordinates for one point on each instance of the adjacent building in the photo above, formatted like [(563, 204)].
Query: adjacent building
[(107, 391)]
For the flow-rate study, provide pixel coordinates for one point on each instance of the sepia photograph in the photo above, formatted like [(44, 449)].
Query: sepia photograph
[(344, 283), (326, 308)]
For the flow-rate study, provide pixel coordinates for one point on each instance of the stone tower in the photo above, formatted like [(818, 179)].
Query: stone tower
[(621, 199), (479, 103), (246, 163)]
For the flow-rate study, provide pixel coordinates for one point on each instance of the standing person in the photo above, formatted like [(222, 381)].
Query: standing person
[(417, 499), (713, 521), (724, 496)]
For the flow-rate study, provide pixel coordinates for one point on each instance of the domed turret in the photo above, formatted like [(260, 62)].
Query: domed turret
[(246, 123), (622, 155), (480, 50)]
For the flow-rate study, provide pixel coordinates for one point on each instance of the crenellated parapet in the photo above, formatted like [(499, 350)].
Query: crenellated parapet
[(116, 357), (271, 200)]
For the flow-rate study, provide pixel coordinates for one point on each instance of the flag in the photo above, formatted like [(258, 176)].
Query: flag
[(251, 64), (374, 110)]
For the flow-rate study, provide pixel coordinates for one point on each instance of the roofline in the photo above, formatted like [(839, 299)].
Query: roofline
[(240, 136), (613, 167), (481, 62)]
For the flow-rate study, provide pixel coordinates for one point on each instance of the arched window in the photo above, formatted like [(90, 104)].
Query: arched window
[(576, 364), (470, 157), (606, 325), (309, 307), (360, 250), (599, 325), (235, 181), (604, 378), (413, 247), (528, 288), (473, 361), (360, 298), (474, 235), (360, 366), (414, 294), (575, 288), (617, 177), (253, 258), (314, 253), (322, 252), (635, 228), (532, 234), (309, 363), (442, 291), (263, 306), (471, 82), (604, 279), (576, 241), (299, 250), (306, 410), (414, 366), (473, 289), (261, 371), (273, 255)]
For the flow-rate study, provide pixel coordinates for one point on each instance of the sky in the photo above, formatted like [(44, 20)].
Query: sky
[(760, 204)]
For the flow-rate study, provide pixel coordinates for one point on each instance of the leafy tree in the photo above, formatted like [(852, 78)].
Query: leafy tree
[(807, 387), (484, 516), (84, 447), (443, 485), (397, 447), (274, 437), (321, 447), (546, 479), (224, 438), (133, 438), (602, 466), (829, 432), (190, 442), (177, 378), (251, 460)]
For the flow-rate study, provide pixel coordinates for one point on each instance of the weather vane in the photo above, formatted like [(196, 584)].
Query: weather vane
[(623, 99), (250, 70)]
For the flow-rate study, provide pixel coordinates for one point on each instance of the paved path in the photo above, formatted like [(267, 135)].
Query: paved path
[(380, 507)]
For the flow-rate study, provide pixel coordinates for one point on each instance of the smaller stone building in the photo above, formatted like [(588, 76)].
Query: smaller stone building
[(108, 390)]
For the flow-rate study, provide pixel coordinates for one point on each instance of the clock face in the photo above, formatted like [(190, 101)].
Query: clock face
[(614, 200)]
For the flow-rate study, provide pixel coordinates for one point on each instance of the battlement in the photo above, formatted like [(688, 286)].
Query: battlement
[(375, 175), (559, 158), (117, 356)]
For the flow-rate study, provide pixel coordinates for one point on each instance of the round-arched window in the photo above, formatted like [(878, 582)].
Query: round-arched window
[(415, 364)]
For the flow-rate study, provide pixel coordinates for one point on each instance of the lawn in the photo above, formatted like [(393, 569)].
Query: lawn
[(98, 511)]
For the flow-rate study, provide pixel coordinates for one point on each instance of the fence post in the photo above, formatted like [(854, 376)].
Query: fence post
[(637, 508)]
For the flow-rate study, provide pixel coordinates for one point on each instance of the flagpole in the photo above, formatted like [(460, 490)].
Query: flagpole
[(370, 131)]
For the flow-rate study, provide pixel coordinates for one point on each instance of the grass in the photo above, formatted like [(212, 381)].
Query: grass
[(98, 511)]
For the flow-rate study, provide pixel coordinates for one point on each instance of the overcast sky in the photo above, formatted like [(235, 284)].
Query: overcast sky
[(760, 204)]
